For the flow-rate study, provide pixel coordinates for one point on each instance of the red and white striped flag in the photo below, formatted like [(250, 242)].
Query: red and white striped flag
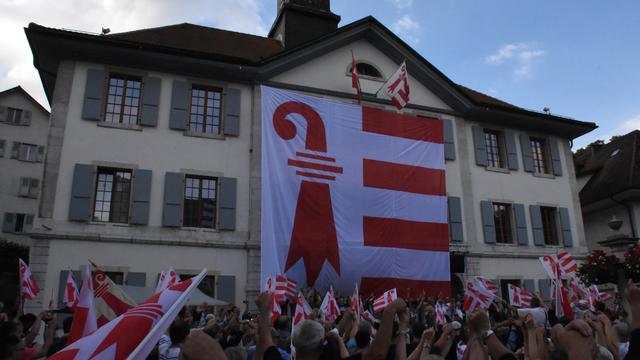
[(550, 265), (303, 310), (110, 300), (567, 263), (576, 291), (476, 296), (490, 285), (292, 287), (397, 87), (596, 295), (561, 295), (84, 313), (383, 301), (167, 278), (329, 307), (356, 303), (71, 294), (519, 297), (355, 79), (369, 316), (29, 288), (276, 310), (135, 333), (441, 310)]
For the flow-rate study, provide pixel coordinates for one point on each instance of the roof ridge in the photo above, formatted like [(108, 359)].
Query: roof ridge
[(190, 24)]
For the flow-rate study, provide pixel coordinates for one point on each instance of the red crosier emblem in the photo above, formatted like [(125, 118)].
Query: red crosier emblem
[(313, 237)]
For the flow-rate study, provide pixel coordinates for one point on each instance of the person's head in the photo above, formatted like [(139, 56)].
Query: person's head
[(10, 340), (235, 353), (178, 331), (622, 330), (308, 339), (186, 316)]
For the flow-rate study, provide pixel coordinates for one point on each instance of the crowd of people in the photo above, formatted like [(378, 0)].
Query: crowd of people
[(405, 329)]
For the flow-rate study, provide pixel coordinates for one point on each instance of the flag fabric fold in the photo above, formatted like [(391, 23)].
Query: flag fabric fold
[(355, 79), (110, 300), (167, 278), (329, 307), (489, 285), (28, 287), (476, 296), (84, 313), (519, 297), (441, 310), (383, 301), (397, 87), (71, 293)]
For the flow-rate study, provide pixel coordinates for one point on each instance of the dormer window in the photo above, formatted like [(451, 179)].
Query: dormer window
[(366, 71)]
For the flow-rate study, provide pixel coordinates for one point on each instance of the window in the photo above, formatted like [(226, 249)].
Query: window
[(29, 187), (207, 285), (494, 145), (365, 69), (123, 100), (205, 110), (2, 142), (502, 217), (16, 223), (504, 286), (549, 225), (540, 155), (200, 202), (113, 189), (27, 152), (14, 116)]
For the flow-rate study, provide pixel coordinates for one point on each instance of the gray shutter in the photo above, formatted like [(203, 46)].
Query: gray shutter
[(136, 279), (449, 143), (512, 152), (227, 211), (15, 150), (140, 197), (488, 224), (232, 112), (34, 187), (479, 146), (9, 223), (173, 190), (3, 113), (527, 155), (179, 104), (62, 284), (150, 101), (24, 186), (544, 286), (26, 118), (565, 225), (93, 95), (555, 158), (521, 224), (536, 225), (2, 142), (81, 192), (40, 156), (455, 219), (226, 288), (529, 285)]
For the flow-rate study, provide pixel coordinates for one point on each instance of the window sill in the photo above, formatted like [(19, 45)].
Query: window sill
[(499, 170), (204, 135), (506, 244), (545, 176), (100, 223), (119, 126), (25, 160), (27, 197), (200, 229), (367, 77)]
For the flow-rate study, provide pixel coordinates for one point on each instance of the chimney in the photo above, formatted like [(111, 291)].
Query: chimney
[(299, 21)]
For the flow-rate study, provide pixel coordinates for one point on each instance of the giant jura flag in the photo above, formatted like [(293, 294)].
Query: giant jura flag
[(352, 194)]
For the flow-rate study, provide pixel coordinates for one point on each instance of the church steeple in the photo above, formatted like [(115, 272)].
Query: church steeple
[(299, 21)]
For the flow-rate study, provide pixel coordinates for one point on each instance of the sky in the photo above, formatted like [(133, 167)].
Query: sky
[(579, 58)]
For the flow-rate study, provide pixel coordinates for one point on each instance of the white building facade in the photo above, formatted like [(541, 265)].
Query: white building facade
[(154, 151)]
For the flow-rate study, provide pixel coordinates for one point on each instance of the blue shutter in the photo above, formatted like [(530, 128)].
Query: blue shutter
[(150, 101), (179, 105), (140, 197), (565, 225), (173, 198), (479, 146), (536, 225), (136, 279), (529, 285), (227, 210), (449, 143), (488, 224), (527, 153), (232, 112), (544, 286), (521, 225), (94, 95), (81, 193), (226, 288), (9, 223), (455, 219), (512, 152), (3, 113), (555, 158)]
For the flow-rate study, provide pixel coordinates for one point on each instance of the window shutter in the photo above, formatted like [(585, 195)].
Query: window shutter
[(521, 225), (3, 113), (227, 211), (136, 279), (150, 101), (93, 95), (34, 187), (449, 143), (226, 288), (140, 197), (536, 225), (173, 197), (488, 224), (512, 152), (28, 220), (40, 156), (9, 223), (179, 105), (455, 219), (565, 224), (62, 285), (81, 193), (24, 186), (24, 152), (232, 112), (15, 150), (479, 146), (529, 285), (26, 118), (555, 157), (2, 142), (544, 286), (527, 154)]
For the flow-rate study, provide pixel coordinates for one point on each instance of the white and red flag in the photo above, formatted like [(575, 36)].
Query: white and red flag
[(135, 333), (167, 278), (490, 285), (329, 307), (441, 310), (577, 292), (303, 310), (71, 294), (110, 300), (567, 263), (352, 194), (383, 301), (397, 87), (28, 287), (550, 265), (596, 295), (355, 79), (519, 297), (560, 264), (84, 313), (476, 296), (561, 295), (356, 303)]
